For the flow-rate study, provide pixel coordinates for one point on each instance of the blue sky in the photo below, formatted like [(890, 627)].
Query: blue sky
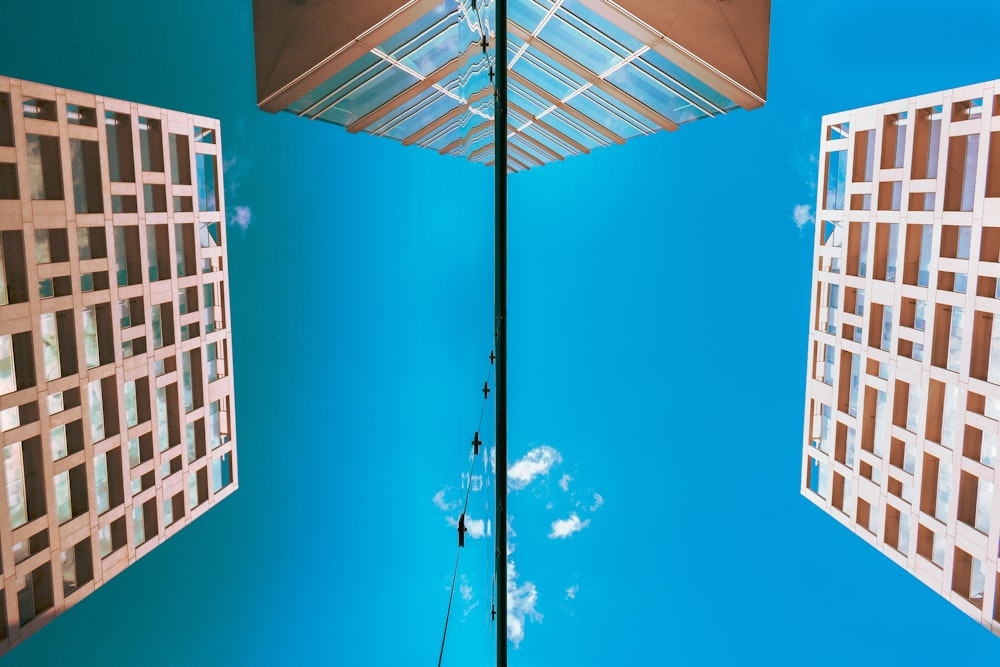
[(659, 297)]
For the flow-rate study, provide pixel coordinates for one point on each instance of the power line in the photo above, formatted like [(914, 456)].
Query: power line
[(465, 507)]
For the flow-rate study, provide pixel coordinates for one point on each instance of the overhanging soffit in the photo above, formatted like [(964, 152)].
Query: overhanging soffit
[(300, 43), (729, 36)]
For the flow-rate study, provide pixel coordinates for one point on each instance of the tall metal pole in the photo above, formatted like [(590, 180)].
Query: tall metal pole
[(500, 313)]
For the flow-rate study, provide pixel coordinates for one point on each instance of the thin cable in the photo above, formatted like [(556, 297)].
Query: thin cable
[(451, 596), (465, 508)]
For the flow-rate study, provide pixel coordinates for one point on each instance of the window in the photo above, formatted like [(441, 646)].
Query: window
[(39, 109), (111, 537), (25, 488), (121, 164), (222, 472), (162, 325), (198, 487), (85, 159), (144, 521), (963, 152), (204, 135), (13, 271), (110, 481), (44, 167), (975, 502), (836, 175), (894, 140), (102, 399), (77, 566), (173, 509), (91, 243), (71, 493), (916, 270), (6, 121), (80, 115), (51, 245), (151, 144), (127, 255), (191, 378), (180, 160), (968, 577), (158, 252), (864, 155), (66, 439), (927, 143), (17, 366), (34, 593), (205, 164), (137, 402), (186, 261)]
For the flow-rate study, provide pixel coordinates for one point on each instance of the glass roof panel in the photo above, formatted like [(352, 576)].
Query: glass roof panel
[(615, 38), (435, 107), (578, 46), (538, 132), (540, 71), (365, 66), (689, 80), (367, 97), (447, 11), (526, 13), (655, 95), (632, 114), (586, 104), (574, 130), (517, 96)]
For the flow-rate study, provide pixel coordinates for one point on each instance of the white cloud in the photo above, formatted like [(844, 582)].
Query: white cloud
[(474, 528), (442, 504), (465, 589), (802, 214), (564, 481), (563, 528), (521, 602), (571, 591), (241, 217), (536, 462), (468, 610), (598, 501)]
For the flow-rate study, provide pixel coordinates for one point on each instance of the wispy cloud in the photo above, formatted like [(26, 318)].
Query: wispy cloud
[(564, 481), (465, 589), (563, 528), (571, 591), (598, 501), (241, 217), (536, 462), (521, 601), (468, 610), (444, 505), (802, 214)]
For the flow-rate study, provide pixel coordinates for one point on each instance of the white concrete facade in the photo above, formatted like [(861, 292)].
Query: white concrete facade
[(116, 390), (902, 413)]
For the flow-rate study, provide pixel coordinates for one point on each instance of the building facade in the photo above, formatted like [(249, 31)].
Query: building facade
[(116, 392), (902, 415), (582, 74)]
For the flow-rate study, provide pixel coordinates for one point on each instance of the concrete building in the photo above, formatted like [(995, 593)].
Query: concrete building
[(116, 393), (582, 73), (902, 415)]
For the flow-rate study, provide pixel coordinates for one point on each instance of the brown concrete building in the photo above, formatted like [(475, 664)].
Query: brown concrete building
[(116, 392), (902, 415), (582, 73)]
